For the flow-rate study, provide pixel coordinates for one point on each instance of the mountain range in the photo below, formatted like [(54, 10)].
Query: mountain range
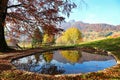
[(98, 27)]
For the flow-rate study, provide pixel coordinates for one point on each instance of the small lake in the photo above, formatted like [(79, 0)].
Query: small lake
[(64, 62)]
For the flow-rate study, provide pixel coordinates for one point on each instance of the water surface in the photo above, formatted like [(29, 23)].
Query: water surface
[(64, 62)]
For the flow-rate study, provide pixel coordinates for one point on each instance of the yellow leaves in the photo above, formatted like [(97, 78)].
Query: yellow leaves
[(70, 36), (45, 38), (48, 38)]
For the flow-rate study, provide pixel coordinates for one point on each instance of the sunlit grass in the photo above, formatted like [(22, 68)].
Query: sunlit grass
[(112, 45), (25, 45)]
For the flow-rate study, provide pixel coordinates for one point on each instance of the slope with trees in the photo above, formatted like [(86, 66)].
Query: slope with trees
[(93, 31)]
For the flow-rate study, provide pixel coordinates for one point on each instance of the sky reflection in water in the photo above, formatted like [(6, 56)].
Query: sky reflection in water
[(64, 62)]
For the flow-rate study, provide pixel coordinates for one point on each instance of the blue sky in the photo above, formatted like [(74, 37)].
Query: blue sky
[(97, 11)]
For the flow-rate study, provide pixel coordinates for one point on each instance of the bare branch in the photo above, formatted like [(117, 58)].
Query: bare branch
[(12, 6)]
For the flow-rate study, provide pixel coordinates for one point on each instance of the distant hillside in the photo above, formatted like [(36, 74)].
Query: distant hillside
[(94, 31), (90, 27)]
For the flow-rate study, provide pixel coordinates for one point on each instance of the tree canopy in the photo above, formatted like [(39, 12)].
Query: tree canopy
[(24, 15), (21, 16), (70, 36)]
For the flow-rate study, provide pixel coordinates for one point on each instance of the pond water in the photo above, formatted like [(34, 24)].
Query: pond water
[(64, 62)]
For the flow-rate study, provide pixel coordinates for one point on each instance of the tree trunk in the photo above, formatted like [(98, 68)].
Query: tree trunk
[(3, 13)]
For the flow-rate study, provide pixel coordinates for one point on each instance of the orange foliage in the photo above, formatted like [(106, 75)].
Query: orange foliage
[(25, 15)]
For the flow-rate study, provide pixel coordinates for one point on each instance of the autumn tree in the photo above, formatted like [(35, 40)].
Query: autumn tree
[(70, 36), (22, 16), (48, 39), (37, 37)]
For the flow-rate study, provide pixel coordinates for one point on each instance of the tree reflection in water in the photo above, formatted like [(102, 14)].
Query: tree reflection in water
[(64, 62), (37, 57), (32, 64), (48, 68), (51, 69), (28, 65), (71, 55), (48, 56)]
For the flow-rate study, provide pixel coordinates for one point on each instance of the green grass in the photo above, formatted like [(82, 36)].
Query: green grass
[(112, 45)]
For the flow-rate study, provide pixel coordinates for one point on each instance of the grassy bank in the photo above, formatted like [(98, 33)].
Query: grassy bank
[(112, 45)]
